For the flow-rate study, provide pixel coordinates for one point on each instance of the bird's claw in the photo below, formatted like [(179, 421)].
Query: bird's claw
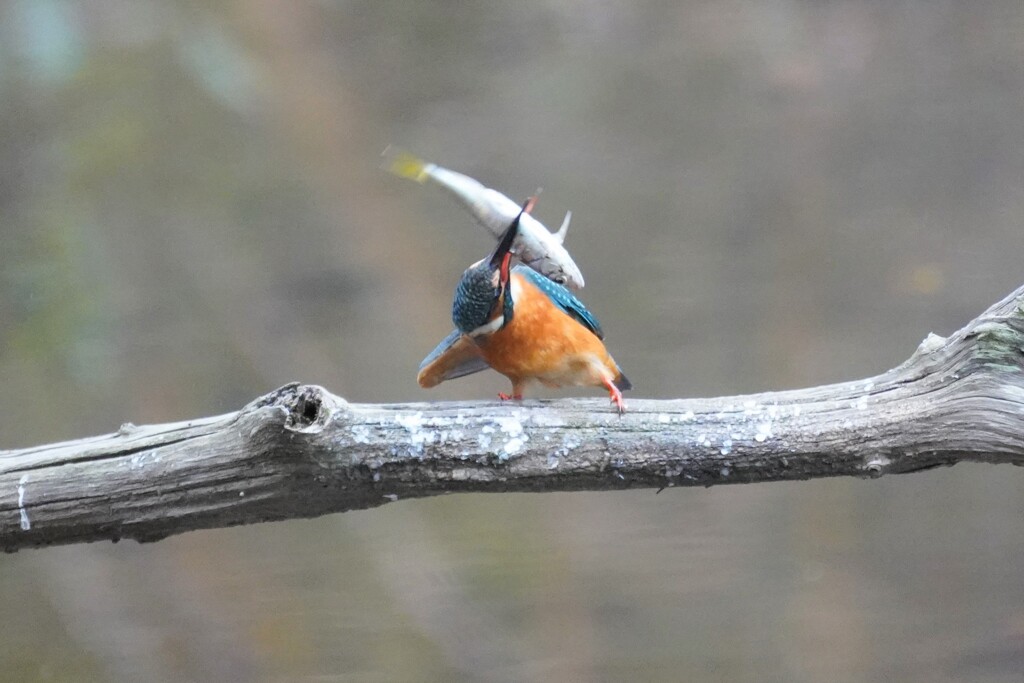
[(615, 396)]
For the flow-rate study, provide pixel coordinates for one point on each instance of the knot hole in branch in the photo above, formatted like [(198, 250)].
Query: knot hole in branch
[(304, 410), (309, 407)]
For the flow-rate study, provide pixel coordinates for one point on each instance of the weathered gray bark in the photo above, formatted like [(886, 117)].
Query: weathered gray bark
[(302, 452)]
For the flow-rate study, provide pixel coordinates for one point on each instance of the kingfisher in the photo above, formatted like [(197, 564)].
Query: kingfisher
[(526, 327)]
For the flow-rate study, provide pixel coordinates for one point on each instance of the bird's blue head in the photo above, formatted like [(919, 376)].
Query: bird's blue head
[(480, 290)]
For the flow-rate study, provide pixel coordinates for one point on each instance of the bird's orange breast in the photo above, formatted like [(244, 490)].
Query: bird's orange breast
[(543, 342)]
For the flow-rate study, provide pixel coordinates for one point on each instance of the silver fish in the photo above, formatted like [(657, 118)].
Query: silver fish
[(536, 246)]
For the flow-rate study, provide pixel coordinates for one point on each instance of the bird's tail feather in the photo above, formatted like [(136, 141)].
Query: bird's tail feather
[(622, 382)]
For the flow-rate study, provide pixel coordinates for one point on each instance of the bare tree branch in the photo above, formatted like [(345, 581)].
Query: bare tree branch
[(301, 451)]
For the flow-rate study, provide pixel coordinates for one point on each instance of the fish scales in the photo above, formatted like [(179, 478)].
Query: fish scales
[(535, 245)]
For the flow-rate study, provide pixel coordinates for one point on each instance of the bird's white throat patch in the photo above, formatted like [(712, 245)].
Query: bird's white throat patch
[(495, 325)]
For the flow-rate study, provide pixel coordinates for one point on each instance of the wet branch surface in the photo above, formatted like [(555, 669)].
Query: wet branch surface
[(301, 451)]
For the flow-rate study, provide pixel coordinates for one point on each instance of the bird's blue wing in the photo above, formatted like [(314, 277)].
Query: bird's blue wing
[(562, 298), (455, 356)]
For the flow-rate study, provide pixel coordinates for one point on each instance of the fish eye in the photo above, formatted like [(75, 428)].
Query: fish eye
[(560, 279)]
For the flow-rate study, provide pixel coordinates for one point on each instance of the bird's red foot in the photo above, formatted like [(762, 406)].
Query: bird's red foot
[(510, 397), (615, 395)]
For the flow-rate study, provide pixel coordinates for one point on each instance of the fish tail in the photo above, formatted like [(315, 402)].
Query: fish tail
[(406, 165)]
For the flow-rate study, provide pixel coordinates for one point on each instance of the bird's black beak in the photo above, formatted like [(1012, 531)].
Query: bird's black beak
[(502, 256), (505, 243)]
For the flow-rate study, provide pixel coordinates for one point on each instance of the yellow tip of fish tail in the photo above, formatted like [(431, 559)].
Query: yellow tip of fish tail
[(405, 165)]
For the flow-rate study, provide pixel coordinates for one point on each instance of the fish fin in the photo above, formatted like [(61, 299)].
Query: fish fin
[(405, 164), (562, 298), (456, 356), (560, 235), (531, 202)]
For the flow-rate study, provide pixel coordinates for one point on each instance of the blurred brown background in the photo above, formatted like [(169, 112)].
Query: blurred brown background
[(766, 195)]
